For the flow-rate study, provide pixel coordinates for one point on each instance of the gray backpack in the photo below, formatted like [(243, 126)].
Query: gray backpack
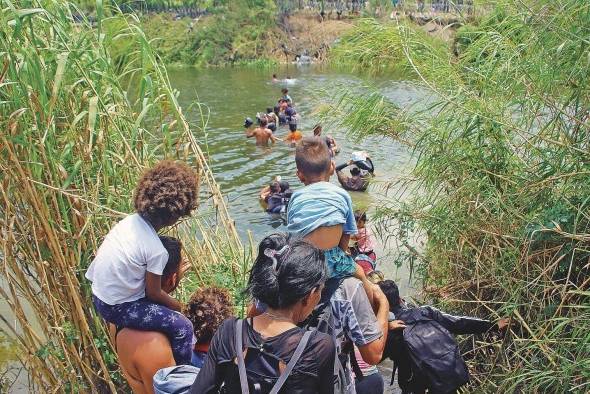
[(175, 380)]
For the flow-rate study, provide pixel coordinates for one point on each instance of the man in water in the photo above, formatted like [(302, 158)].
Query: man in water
[(357, 181), (262, 134), (286, 96)]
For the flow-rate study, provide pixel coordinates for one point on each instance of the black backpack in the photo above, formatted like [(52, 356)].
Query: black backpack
[(427, 354), (321, 320)]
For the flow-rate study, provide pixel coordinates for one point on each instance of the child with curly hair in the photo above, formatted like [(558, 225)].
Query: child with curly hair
[(127, 269), (207, 309)]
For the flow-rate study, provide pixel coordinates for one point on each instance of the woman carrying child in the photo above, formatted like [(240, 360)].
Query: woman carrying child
[(251, 355), (126, 271)]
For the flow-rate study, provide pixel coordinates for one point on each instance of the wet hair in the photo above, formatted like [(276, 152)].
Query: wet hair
[(272, 126), (312, 156), (391, 292), (275, 187), (263, 122), (300, 268), (284, 185), (274, 75), (317, 129), (355, 171), (167, 192), (207, 309), (269, 110), (285, 90), (282, 100), (276, 109), (293, 126), (174, 248), (360, 215)]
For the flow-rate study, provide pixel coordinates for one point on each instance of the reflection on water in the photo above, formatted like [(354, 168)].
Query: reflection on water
[(242, 168)]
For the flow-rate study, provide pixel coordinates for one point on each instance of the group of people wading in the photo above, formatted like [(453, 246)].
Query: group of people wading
[(319, 320)]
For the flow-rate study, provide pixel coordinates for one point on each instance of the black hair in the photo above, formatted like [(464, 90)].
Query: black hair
[(174, 247), (391, 291), (292, 126), (269, 110), (284, 185), (274, 75), (360, 215), (263, 122), (300, 268), (312, 156), (355, 171), (276, 109), (284, 90), (275, 187)]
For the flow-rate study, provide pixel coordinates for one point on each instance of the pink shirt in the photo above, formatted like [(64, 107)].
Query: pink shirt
[(365, 240)]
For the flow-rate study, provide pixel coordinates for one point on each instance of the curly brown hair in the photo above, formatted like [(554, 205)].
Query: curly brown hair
[(207, 309), (167, 192)]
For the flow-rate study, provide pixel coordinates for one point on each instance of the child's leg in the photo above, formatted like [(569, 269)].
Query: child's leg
[(149, 316), (360, 274)]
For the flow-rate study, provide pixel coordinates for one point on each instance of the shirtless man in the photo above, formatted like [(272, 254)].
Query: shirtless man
[(142, 353), (262, 134)]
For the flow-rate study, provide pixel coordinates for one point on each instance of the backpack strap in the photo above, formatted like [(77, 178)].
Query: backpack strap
[(393, 373), (296, 356), (240, 356)]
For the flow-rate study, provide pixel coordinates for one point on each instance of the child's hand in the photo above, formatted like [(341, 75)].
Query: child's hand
[(397, 325), (186, 265)]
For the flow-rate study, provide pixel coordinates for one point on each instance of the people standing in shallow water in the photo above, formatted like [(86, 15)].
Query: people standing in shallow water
[(126, 273), (262, 134), (250, 355), (294, 135)]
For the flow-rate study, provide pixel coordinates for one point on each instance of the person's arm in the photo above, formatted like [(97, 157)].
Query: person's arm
[(341, 178), (344, 240), (461, 324), (342, 166), (272, 137), (154, 292), (250, 134), (373, 352)]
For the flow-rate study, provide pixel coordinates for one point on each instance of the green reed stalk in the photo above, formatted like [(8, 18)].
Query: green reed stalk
[(73, 143), (502, 179)]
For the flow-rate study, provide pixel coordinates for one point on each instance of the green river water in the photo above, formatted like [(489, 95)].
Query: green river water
[(242, 168)]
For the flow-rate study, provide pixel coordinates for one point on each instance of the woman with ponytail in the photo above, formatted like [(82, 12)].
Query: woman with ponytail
[(269, 353)]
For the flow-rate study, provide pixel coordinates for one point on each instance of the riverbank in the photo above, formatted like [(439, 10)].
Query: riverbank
[(199, 41)]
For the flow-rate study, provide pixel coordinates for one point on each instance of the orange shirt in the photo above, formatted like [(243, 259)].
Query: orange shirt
[(294, 136)]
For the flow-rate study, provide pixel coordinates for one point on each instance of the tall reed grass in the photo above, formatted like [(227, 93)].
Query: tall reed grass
[(502, 180), (75, 137)]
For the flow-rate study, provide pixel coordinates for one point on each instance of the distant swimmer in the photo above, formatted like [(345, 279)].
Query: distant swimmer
[(294, 135), (262, 134), (274, 78), (289, 81)]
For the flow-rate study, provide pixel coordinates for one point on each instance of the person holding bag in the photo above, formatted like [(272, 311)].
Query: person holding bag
[(269, 353)]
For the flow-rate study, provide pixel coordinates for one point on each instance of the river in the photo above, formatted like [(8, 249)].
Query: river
[(242, 168)]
